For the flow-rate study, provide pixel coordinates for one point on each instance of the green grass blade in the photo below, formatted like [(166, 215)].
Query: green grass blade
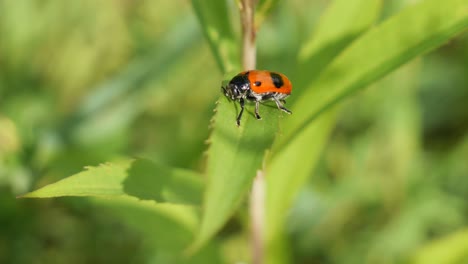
[(142, 179), (215, 21), (410, 33)]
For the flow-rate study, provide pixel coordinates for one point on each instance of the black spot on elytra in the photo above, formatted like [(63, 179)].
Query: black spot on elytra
[(257, 83), (277, 80)]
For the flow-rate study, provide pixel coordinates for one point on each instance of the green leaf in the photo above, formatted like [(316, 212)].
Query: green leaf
[(410, 33), (334, 32), (140, 178), (153, 199), (341, 23), (215, 21), (286, 174), (165, 226), (403, 37), (166, 229), (234, 156), (448, 250)]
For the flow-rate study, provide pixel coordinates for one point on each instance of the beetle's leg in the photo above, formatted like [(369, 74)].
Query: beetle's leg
[(280, 106), (241, 102), (257, 115)]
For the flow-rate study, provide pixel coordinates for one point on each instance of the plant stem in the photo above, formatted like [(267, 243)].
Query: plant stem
[(257, 198), (257, 207), (249, 50)]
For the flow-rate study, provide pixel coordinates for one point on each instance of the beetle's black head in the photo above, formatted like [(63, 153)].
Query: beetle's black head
[(237, 87)]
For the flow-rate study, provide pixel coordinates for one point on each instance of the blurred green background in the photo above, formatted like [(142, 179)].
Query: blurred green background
[(85, 82)]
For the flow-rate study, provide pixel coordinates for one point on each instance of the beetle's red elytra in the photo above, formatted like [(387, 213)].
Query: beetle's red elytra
[(258, 86)]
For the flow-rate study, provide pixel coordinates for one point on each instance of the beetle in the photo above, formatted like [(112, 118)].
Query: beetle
[(258, 86)]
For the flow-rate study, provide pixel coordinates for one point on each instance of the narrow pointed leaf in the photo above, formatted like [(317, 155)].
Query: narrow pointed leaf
[(410, 33), (286, 174), (166, 229), (166, 226), (377, 52), (137, 178), (334, 32), (234, 156), (342, 22)]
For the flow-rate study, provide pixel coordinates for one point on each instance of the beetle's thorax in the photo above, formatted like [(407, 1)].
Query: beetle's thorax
[(238, 87)]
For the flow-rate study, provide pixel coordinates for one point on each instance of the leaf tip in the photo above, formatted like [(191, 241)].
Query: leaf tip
[(27, 195)]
